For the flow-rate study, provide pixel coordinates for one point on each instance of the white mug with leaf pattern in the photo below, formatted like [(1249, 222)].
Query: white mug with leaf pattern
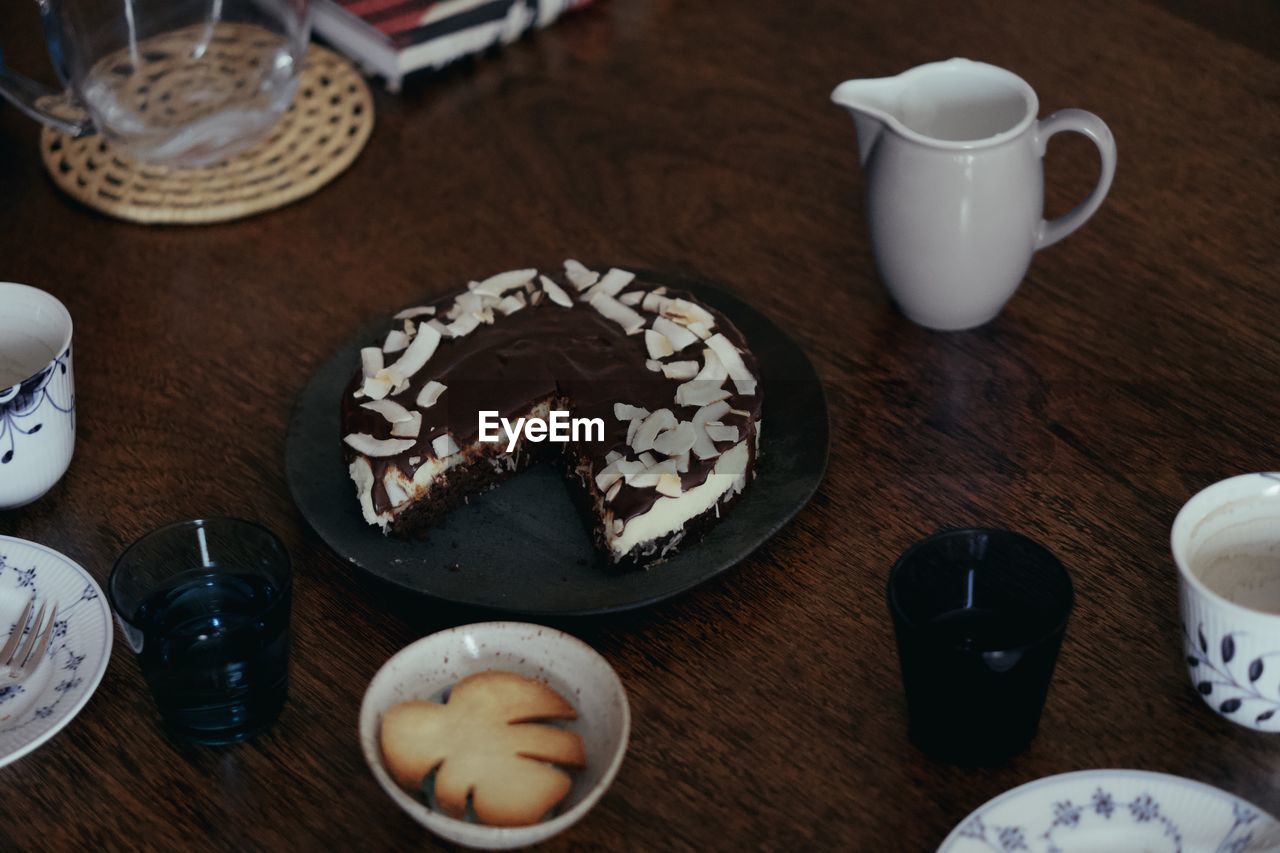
[(1226, 543), (37, 394)]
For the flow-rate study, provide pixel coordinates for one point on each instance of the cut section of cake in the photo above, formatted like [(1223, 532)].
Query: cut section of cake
[(664, 387)]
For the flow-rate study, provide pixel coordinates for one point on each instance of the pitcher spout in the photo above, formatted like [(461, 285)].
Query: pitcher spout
[(871, 104)]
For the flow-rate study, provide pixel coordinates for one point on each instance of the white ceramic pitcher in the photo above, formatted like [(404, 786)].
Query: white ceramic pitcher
[(952, 153)]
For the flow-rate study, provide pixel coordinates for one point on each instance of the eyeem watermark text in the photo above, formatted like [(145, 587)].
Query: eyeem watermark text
[(558, 426)]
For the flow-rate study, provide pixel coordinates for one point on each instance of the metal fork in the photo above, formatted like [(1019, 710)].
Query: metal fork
[(17, 653)]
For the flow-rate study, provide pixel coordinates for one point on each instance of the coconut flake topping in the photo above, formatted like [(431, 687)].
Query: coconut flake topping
[(625, 412), (430, 393), (660, 420), (657, 344), (444, 445), (370, 361), (578, 275), (612, 309), (681, 370), (396, 341), (389, 409), (732, 360), (613, 282), (675, 441), (419, 311), (410, 428), (362, 442), (556, 292), (496, 285), (684, 312)]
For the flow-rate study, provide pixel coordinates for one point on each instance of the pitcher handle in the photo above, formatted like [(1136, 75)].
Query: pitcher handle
[(1084, 122), (59, 110)]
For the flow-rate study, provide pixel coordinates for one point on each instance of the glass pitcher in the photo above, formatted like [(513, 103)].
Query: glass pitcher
[(174, 82)]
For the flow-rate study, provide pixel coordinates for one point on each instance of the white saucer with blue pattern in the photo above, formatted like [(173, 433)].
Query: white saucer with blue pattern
[(35, 710), (1115, 810)]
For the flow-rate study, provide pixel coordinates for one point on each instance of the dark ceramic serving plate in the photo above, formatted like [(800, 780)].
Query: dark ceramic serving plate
[(523, 547)]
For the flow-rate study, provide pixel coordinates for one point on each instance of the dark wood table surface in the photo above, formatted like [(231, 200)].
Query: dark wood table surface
[(1138, 363)]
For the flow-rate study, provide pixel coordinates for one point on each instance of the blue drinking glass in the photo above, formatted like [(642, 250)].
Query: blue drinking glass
[(205, 605), (979, 615)]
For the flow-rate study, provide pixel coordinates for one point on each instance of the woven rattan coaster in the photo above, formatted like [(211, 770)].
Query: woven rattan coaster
[(318, 137)]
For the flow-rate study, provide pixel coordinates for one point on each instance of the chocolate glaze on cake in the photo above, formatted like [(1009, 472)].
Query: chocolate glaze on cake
[(521, 345)]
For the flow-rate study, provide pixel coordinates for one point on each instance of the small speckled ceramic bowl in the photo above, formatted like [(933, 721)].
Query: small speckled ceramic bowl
[(425, 669)]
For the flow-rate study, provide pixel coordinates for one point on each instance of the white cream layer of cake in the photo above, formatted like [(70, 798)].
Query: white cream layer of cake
[(669, 515)]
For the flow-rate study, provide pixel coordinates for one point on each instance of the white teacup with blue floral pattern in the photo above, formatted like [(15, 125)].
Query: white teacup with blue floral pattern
[(1226, 542), (37, 394)]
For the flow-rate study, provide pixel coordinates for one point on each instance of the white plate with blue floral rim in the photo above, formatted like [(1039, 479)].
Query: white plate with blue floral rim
[(1115, 811), (38, 708)]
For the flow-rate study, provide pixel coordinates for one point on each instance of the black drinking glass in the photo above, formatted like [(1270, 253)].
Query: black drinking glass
[(980, 615), (205, 605)]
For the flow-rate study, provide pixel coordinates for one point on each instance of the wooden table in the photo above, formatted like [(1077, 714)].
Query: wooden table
[(1137, 364)]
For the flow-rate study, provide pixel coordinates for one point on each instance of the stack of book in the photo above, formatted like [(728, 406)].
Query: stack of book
[(394, 37)]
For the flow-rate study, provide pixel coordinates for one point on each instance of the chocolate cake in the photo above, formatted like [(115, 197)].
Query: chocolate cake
[(663, 391)]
